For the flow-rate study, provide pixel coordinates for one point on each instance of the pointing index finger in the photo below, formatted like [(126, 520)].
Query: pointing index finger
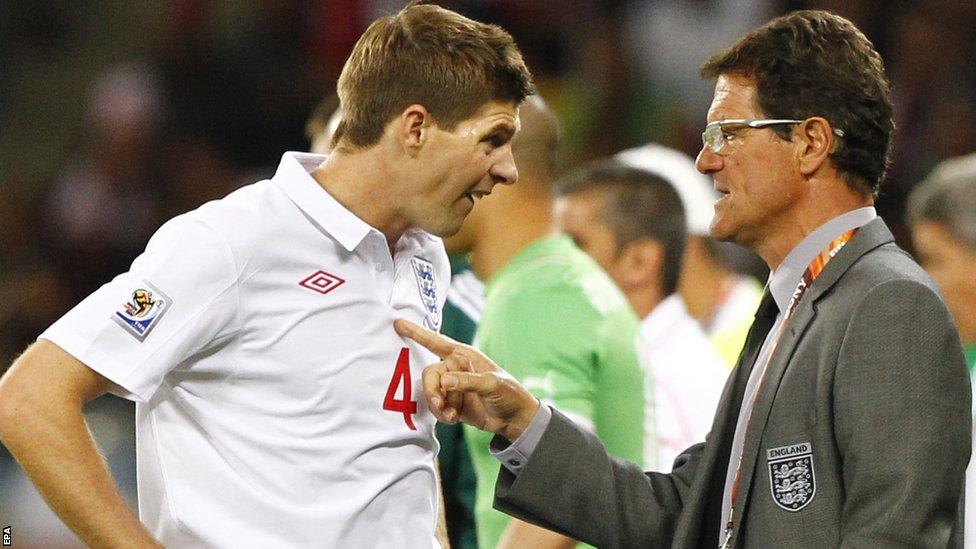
[(438, 344)]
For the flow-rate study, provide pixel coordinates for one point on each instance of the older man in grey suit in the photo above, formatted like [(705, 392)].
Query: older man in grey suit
[(846, 422)]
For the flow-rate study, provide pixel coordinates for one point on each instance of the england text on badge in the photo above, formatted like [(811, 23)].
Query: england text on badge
[(427, 285), (143, 310), (792, 480)]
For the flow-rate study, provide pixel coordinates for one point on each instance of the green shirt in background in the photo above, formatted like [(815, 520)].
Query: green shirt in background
[(558, 324)]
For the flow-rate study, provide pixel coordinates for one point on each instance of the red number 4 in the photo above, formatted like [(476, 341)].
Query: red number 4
[(401, 375)]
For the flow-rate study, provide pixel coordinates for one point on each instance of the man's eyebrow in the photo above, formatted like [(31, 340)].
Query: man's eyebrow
[(504, 130)]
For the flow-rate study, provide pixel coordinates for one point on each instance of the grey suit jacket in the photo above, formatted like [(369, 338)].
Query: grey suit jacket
[(866, 402)]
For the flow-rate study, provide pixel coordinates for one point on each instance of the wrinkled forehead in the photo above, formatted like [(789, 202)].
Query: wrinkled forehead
[(735, 97)]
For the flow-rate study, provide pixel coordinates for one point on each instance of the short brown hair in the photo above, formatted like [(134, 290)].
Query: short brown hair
[(816, 63), (430, 56)]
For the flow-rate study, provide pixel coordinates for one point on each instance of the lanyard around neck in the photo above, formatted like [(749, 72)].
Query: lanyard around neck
[(811, 273)]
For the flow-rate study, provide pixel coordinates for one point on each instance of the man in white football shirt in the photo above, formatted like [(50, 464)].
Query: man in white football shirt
[(276, 406)]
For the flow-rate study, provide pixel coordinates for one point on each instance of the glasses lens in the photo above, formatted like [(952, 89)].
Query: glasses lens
[(712, 137)]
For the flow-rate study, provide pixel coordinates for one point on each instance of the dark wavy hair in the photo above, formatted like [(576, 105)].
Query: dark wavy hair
[(816, 63)]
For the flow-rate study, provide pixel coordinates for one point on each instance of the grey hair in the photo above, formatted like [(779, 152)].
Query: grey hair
[(948, 197)]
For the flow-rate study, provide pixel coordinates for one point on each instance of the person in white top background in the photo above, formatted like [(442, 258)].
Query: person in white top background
[(713, 289), (276, 406), (632, 222)]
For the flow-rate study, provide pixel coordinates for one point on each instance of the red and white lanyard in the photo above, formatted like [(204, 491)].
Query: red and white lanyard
[(809, 275)]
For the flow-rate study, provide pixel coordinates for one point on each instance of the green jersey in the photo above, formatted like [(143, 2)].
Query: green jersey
[(556, 322)]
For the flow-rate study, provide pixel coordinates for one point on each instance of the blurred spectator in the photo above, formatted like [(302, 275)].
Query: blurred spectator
[(31, 289), (942, 215), (322, 124), (722, 300), (105, 204), (659, 38), (632, 222)]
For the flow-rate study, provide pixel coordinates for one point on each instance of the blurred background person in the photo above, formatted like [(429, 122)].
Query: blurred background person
[(942, 215), (552, 311), (632, 222), (718, 296), (322, 124)]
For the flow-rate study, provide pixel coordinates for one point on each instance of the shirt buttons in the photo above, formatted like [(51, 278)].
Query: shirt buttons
[(380, 267)]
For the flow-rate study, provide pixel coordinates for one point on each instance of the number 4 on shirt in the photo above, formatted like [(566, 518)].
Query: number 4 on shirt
[(401, 375)]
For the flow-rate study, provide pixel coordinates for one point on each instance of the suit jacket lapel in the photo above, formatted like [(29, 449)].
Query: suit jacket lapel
[(870, 236), (792, 333), (709, 483)]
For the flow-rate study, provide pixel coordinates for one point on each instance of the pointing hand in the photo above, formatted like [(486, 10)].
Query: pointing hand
[(467, 386)]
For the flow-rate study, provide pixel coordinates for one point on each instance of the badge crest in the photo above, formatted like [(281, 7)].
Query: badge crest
[(427, 285), (144, 309), (792, 481)]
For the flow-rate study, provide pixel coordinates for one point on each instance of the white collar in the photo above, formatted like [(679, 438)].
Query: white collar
[(669, 311), (783, 281), (294, 177)]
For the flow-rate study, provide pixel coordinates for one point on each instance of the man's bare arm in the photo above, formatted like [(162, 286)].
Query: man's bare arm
[(42, 424), (522, 534)]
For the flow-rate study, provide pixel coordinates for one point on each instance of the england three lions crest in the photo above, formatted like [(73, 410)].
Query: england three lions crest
[(427, 285), (792, 480)]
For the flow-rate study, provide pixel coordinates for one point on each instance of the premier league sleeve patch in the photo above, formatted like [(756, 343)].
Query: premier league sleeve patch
[(427, 285), (792, 481), (143, 311)]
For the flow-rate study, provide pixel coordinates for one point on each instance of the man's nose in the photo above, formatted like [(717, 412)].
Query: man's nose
[(707, 161), (503, 170)]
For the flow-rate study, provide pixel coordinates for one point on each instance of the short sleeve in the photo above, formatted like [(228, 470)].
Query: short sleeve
[(178, 298)]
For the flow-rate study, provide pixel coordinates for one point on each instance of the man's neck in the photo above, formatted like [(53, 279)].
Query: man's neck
[(360, 182), (644, 299), (515, 221), (792, 227), (703, 282)]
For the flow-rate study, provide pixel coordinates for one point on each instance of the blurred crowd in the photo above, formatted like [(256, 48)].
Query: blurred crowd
[(116, 116)]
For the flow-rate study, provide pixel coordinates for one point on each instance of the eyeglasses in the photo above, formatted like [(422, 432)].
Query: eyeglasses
[(715, 135)]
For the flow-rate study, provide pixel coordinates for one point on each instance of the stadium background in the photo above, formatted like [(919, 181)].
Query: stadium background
[(117, 115)]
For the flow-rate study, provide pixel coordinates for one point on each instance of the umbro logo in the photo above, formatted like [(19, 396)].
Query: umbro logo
[(322, 282)]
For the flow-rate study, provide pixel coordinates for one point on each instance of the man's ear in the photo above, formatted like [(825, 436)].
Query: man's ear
[(815, 142), (415, 125), (640, 262)]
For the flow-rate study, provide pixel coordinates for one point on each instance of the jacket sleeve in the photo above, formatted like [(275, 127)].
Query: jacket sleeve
[(571, 485), (902, 419)]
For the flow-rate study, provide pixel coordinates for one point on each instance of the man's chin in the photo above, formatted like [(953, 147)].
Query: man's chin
[(444, 228), (720, 232)]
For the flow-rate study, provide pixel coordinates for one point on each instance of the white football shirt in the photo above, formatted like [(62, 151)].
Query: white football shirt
[(687, 378), (275, 404)]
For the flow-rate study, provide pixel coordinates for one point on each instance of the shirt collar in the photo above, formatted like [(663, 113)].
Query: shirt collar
[(295, 179), (783, 281)]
